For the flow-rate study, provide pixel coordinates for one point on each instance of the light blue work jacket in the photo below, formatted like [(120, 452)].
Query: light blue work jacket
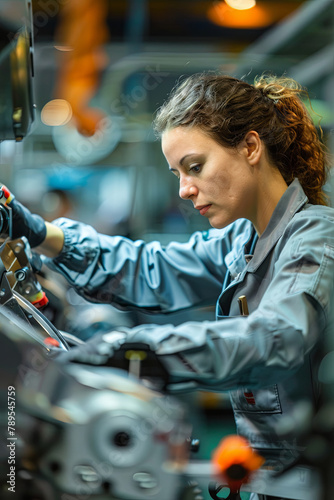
[(268, 360)]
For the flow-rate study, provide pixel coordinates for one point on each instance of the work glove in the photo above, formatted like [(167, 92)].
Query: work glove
[(116, 349), (96, 351), (24, 223)]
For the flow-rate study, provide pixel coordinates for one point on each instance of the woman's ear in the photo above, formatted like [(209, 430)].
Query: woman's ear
[(254, 148)]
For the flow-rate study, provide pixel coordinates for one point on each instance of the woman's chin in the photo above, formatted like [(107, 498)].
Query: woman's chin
[(219, 224)]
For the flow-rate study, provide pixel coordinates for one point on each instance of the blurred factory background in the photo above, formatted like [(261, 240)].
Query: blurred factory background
[(119, 182), (116, 178)]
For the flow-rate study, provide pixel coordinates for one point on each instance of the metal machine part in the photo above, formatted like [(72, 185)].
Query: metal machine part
[(16, 275), (16, 62), (16, 257), (96, 432)]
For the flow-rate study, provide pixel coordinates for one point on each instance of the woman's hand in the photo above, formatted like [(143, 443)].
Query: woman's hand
[(98, 350), (48, 238)]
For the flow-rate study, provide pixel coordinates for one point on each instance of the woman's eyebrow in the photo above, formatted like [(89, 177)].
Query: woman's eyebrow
[(185, 157)]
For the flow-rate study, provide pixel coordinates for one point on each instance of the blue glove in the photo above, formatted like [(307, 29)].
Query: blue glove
[(24, 223)]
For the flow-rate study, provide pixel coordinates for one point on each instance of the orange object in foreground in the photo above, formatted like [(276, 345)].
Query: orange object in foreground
[(51, 342), (235, 461)]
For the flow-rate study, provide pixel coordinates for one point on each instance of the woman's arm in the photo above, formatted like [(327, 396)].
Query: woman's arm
[(135, 274), (53, 242)]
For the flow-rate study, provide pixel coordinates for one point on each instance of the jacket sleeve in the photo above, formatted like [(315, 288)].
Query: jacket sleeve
[(257, 350), (136, 274)]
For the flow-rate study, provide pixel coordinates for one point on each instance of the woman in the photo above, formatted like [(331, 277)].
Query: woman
[(249, 159)]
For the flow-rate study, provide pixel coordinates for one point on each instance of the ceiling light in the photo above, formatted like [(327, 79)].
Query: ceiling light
[(56, 112), (223, 15), (241, 4)]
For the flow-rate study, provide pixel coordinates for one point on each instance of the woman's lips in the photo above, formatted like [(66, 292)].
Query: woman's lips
[(203, 209)]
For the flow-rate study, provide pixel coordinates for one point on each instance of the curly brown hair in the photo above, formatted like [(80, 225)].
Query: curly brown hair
[(227, 108)]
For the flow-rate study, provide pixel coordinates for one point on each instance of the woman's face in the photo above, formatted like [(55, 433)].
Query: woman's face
[(221, 182)]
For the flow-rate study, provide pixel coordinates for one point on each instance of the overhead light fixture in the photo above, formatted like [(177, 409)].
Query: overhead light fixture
[(241, 4), (229, 17)]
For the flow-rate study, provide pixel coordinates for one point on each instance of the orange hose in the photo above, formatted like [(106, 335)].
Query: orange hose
[(82, 32)]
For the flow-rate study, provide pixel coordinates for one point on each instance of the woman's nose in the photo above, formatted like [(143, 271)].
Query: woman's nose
[(187, 188)]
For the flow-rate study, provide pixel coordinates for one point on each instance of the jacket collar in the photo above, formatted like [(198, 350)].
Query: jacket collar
[(292, 201)]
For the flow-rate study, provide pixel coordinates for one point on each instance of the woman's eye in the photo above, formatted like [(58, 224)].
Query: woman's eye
[(195, 168)]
